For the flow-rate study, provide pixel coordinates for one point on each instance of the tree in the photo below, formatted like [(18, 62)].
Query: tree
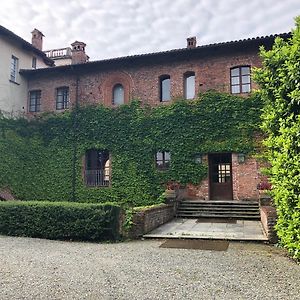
[(279, 80)]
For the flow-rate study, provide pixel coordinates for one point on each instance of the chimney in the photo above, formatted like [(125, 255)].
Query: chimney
[(37, 39), (78, 53), (191, 42)]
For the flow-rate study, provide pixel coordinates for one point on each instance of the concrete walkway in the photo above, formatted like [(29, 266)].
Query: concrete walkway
[(190, 228)]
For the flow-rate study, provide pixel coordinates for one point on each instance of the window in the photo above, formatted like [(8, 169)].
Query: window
[(97, 168), (34, 62), (34, 101), (189, 85), (240, 80), (118, 94), (163, 160), (62, 98), (165, 88), (14, 68)]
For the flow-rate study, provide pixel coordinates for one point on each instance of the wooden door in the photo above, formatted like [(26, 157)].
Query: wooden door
[(220, 176)]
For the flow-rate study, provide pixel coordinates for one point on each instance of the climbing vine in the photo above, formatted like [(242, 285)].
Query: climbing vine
[(37, 155)]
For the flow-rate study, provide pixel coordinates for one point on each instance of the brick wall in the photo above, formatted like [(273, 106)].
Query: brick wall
[(148, 219), (142, 81), (268, 217), (245, 177)]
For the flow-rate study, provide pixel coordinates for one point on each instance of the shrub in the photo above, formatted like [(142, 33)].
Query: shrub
[(60, 220), (279, 88)]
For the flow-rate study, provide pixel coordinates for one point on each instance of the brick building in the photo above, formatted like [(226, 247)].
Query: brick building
[(157, 79)]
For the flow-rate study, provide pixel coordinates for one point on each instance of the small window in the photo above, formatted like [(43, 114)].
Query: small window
[(165, 88), (118, 94), (62, 98), (34, 101), (189, 85), (240, 80), (97, 168), (14, 68), (34, 62), (163, 159)]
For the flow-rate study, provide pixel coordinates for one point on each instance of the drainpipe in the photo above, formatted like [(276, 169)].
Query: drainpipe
[(75, 146)]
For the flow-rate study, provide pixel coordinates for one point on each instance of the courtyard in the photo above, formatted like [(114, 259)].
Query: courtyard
[(46, 269)]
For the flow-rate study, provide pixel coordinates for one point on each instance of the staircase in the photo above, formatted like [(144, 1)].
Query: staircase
[(248, 210)]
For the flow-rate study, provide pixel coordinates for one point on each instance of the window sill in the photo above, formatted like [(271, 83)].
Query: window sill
[(14, 82)]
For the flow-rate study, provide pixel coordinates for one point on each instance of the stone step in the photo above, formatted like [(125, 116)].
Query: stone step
[(220, 209), (219, 206), (228, 216)]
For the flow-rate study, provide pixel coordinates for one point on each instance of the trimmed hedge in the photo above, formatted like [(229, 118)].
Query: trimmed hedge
[(60, 220)]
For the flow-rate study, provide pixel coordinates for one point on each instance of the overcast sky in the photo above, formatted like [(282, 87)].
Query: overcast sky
[(113, 28)]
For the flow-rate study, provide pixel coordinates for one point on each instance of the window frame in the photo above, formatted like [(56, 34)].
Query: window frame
[(165, 163), (187, 75), (34, 62), (65, 98), (240, 77), (14, 66), (91, 177), (113, 94), (162, 78), (37, 101)]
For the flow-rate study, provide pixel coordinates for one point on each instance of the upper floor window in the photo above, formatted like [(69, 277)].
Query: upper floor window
[(118, 94), (34, 101), (34, 62), (165, 88), (240, 80), (14, 68), (97, 168), (163, 159), (62, 98), (189, 85)]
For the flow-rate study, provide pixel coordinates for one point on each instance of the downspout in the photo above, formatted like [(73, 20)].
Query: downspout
[(75, 142)]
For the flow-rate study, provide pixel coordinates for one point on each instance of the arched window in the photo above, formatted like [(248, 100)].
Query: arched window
[(165, 88), (240, 80), (189, 85), (118, 94)]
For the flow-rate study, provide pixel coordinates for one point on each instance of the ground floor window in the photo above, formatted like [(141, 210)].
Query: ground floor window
[(97, 168), (163, 159)]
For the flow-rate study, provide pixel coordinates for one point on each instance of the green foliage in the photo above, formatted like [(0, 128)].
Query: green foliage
[(59, 220), (44, 156), (279, 79)]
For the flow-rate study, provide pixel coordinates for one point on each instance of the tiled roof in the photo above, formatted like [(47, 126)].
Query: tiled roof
[(5, 32), (176, 53)]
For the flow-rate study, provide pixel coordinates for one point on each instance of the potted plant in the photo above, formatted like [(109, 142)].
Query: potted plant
[(264, 196)]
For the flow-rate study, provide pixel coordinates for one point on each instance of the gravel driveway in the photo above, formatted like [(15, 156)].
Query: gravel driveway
[(44, 269)]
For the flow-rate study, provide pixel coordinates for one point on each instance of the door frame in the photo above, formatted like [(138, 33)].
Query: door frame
[(209, 157)]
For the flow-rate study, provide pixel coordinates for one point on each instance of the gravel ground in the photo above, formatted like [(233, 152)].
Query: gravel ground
[(44, 269)]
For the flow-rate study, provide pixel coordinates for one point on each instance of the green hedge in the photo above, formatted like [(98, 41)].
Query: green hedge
[(60, 220)]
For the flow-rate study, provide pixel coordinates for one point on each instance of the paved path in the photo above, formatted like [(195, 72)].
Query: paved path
[(189, 228), (43, 269)]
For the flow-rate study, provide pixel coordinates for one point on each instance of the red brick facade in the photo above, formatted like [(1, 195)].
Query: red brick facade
[(142, 82), (140, 78)]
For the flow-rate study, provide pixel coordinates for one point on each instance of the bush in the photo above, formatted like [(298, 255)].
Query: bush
[(60, 220), (279, 88)]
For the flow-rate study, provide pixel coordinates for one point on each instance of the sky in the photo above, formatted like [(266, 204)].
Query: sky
[(114, 28)]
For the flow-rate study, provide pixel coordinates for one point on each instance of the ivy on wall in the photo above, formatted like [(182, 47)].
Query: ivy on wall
[(38, 156)]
